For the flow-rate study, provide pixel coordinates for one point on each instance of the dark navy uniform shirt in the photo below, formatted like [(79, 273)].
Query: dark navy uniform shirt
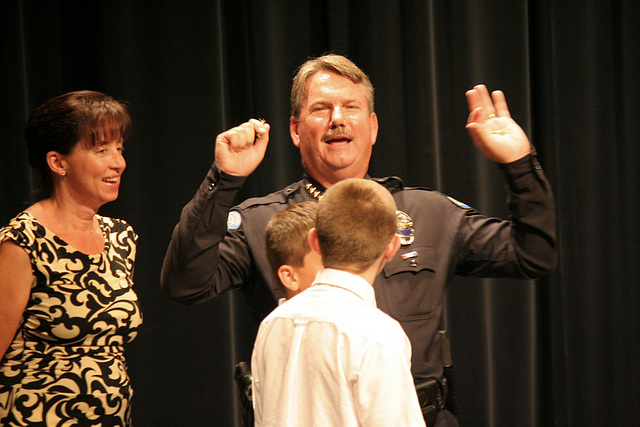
[(217, 246)]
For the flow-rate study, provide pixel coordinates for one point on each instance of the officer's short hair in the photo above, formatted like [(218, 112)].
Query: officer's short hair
[(331, 62)]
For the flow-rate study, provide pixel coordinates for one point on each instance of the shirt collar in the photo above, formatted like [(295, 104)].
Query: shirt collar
[(348, 281)]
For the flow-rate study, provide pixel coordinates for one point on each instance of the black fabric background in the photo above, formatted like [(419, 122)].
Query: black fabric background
[(560, 351)]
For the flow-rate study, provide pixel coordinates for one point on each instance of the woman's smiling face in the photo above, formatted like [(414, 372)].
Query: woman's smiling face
[(93, 172)]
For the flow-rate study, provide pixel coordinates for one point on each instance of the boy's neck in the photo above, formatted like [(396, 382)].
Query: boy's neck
[(369, 274)]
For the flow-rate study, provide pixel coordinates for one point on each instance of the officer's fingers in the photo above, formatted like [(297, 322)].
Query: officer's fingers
[(473, 99), (475, 116), (261, 128), (478, 99), (239, 137), (483, 100), (500, 103)]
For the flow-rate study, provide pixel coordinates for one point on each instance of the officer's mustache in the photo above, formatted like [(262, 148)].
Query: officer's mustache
[(339, 131)]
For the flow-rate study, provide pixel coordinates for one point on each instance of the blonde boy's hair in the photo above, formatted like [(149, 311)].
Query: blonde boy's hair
[(356, 220)]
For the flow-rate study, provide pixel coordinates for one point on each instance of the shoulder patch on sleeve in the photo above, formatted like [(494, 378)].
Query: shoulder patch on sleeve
[(458, 203), (234, 220)]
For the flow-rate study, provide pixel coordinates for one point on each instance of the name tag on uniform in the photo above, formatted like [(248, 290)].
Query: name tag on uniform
[(408, 255)]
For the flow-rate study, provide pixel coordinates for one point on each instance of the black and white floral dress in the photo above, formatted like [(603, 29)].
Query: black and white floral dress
[(66, 364)]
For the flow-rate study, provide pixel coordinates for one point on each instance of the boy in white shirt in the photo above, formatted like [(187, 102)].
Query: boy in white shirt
[(329, 357)]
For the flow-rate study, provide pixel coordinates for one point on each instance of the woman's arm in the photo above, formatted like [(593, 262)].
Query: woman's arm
[(16, 277)]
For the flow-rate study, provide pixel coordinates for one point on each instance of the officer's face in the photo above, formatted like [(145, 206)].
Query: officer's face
[(335, 132)]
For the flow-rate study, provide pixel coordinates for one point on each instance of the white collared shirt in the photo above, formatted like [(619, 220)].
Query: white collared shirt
[(329, 357)]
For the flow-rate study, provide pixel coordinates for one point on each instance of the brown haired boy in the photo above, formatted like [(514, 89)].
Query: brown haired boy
[(292, 261), (329, 356)]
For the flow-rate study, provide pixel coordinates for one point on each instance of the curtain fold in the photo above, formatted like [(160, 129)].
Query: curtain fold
[(562, 350)]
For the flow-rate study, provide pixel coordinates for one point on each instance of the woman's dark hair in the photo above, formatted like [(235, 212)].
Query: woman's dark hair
[(59, 124)]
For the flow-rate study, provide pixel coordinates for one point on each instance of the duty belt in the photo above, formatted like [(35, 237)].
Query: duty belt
[(432, 395)]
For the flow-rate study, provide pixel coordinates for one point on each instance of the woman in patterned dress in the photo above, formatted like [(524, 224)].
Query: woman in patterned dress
[(67, 305)]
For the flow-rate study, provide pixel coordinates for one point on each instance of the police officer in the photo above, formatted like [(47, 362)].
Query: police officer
[(217, 246)]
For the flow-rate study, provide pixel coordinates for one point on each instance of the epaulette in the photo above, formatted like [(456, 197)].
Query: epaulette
[(392, 183), (280, 196), (458, 203)]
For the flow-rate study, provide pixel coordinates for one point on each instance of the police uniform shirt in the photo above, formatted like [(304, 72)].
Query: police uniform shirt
[(216, 247)]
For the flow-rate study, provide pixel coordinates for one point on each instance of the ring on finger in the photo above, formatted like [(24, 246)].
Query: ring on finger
[(262, 121)]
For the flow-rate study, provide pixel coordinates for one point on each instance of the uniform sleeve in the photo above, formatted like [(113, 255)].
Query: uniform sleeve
[(202, 259), (384, 391), (525, 246)]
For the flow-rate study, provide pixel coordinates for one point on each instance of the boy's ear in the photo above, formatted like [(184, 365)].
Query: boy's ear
[(312, 239), (392, 248), (288, 277)]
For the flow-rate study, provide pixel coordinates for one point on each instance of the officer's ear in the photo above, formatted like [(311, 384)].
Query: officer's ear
[(293, 131)]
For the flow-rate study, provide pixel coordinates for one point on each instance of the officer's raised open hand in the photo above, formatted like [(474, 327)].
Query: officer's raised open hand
[(491, 127), (240, 150)]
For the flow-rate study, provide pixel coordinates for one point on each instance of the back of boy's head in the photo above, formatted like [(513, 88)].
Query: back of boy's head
[(286, 235), (356, 220)]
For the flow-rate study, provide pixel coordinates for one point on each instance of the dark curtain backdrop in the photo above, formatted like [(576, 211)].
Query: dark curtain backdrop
[(561, 351)]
